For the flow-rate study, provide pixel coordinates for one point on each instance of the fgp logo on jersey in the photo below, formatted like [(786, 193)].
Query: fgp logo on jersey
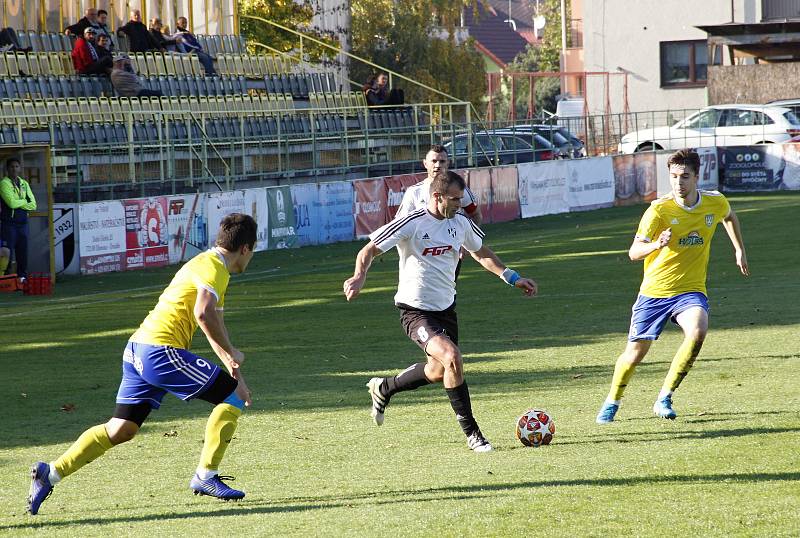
[(436, 251), (692, 240)]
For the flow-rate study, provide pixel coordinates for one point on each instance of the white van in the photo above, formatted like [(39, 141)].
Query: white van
[(570, 112)]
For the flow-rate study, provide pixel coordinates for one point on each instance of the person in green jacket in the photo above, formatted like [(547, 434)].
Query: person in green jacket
[(16, 200)]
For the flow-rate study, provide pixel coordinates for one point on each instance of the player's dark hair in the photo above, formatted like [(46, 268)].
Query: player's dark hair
[(441, 183), (101, 12), (437, 148), (12, 160), (685, 157), (235, 231)]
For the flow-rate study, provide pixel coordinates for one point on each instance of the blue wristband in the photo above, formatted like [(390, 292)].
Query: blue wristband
[(510, 276)]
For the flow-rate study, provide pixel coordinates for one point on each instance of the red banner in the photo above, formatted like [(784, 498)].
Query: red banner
[(480, 183), (146, 232), (369, 205), (505, 194), (395, 188)]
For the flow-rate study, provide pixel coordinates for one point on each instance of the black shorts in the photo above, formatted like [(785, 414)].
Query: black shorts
[(422, 325)]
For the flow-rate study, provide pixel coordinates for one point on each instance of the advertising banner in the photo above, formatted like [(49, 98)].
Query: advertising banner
[(479, 181), (305, 198), (101, 237), (255, 205), (65, 239), (591, 183), (186, 224), (146, 232), (790, 157), (282, 232), (369, 205), (709, 169), (505, 194), (395, 189), (635, 178), (218, 206), (543, 188), (751, 168), (336, 212)]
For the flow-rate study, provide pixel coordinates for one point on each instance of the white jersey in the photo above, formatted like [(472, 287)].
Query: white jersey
[(428, 249), (416, 197)]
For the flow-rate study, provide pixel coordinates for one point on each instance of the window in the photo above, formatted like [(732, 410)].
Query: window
[(704, 119), (685, 63)]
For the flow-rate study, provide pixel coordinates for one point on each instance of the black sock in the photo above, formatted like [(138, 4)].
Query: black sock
[(411, 378), (459, 400)]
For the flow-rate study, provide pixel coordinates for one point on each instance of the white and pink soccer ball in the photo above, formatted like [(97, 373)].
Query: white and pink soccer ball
[(535, 428)]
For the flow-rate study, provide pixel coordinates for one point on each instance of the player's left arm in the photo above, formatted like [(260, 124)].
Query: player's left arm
[(492, 263), (472, 209), (734, 230)]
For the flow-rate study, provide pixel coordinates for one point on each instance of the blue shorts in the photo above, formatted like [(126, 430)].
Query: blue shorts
[(650, 315), (149, 372)]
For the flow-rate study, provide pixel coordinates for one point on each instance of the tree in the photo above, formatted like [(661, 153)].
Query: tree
[(288, 13), (546, 89), (551, 40)]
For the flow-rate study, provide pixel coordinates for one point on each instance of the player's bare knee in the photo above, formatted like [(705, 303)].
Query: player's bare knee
[(434, 371), (121, 431)]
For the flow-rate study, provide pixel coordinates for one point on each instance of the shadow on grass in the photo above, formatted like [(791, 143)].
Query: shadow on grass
[(669, 436), (301, 504)]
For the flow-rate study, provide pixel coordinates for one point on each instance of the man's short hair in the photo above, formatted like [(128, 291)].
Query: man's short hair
[(685, 157), (442, 182), (437, 148), (235, 231), (101, 12), (12, 160)]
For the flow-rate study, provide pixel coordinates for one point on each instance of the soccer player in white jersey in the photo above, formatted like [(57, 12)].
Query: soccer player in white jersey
[(428, 241)]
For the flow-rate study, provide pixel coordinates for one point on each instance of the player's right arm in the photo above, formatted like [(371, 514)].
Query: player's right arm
[(650, 236), (210, 321), (353, 285)]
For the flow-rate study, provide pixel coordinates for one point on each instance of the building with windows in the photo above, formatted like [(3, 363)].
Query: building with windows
[(661, 48)]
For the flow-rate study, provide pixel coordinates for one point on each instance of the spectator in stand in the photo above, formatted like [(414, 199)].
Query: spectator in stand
[(139, 38), (9, 42), (16, 200), (126, 82), (157, 31), (380, 95), (103, 48), (102, 28), (191, 45), (86, 59), (90, 19)]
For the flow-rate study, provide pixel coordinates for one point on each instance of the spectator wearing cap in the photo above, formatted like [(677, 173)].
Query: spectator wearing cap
[(89, 19), (126, 82), (139, 38), (191, 45), (86, 59)]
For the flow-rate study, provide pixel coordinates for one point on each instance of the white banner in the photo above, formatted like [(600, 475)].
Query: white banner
[(186, 224), (255, 205), (102, 228), (219, 205), (65, 238), (591, 183), (543, 188)]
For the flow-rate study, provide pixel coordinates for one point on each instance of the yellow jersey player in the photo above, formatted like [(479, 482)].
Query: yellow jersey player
[(674, 239), (156, 361)]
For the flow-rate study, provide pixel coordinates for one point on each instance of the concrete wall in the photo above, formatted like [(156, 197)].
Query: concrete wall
[(759, 83), (625, 35)]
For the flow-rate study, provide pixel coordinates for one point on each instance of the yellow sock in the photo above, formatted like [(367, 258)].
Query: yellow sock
[(92, 444), (219, 431), (681, 363), (623, 372)]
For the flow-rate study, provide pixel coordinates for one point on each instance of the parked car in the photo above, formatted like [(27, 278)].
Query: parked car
[(511, 149), (567, 145), (791, 104), (719, 125)]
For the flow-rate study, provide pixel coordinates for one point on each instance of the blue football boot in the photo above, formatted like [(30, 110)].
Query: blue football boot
[(41, 488), (215, 487), (607, 413), (663, 408)]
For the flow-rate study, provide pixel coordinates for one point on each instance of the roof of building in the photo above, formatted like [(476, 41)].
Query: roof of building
[(494, 37)]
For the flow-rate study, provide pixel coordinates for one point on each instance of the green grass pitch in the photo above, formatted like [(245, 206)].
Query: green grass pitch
[(313, 464)]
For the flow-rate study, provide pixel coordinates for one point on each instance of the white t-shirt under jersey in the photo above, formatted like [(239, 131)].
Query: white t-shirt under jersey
[(416, 197), (428, 249)]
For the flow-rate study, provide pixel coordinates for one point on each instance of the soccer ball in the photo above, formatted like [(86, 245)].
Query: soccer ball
[(535, 428)]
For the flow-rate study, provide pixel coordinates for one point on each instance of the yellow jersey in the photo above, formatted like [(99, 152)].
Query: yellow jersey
[(682, 265), (172, 321)]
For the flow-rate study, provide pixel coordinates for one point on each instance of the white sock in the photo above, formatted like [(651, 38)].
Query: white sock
[(205, 474), (664, 393), (53, 476), (614, 402)]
